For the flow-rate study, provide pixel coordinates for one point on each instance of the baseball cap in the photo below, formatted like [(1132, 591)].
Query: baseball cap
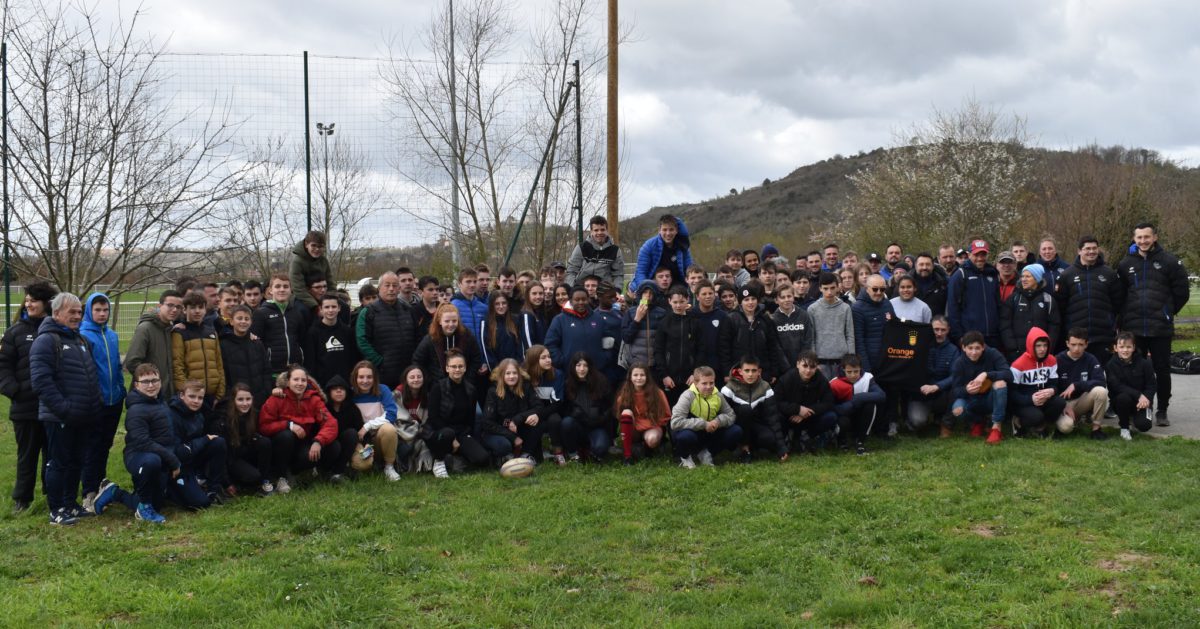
[(557, 265), (960, 253), (874, 257), (979, 245), (1006, 256)]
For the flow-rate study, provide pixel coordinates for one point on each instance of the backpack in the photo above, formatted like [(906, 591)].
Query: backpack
[(1185, 362)]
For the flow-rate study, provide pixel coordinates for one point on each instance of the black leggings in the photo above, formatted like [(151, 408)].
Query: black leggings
[(1125, 406), (289, 454), (441, 445), (858, 423), (250, 462)]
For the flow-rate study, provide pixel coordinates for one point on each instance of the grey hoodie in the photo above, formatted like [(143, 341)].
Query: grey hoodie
[(834, 327), (602, 260), (151, 343)]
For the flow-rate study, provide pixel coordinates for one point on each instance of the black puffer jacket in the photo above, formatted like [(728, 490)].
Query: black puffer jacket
[(1156, 289), (759, 339), (387, 336), (1132, 378), (15, 383), (792, 392), (513, 407), (148, 428), (1091, 297), (64, 375), (452, 406), (282, 331), (246, 361), (676, 348), (1024, 311)]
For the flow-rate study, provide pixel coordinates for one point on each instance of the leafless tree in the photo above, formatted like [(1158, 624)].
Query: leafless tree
[(258, 234), (109, 186), (345, 195)]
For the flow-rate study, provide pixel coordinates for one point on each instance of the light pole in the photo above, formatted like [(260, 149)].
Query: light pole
[(326, 130)]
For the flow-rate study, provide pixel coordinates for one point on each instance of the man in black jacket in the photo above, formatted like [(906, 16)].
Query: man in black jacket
[(16, 385), (386, 333), (1091, 296), (1156, 289)]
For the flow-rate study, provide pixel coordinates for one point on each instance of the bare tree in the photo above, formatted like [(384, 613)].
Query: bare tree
[(961, 174), (259, 233), (346, 197), (109, 187), (487, 130)]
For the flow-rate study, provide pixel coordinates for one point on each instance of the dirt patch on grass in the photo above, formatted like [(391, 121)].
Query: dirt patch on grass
[(983, 529), (1122, 562)]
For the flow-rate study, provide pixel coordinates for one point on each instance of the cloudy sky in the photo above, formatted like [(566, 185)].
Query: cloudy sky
[(719, 94)]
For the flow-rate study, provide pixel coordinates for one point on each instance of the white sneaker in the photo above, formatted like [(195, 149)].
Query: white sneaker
[(439, 470), (687, 463), (282, 486), (893, 428), (1126, 435), (704, 457), (89, 503), (390, 473)]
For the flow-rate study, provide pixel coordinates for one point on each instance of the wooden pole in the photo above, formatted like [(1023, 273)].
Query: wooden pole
[(614, 226)]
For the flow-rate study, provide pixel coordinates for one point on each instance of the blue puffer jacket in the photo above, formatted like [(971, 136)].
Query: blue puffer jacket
[(105, 352), (870, 317), (650, 255), (63, 375), (471, 312), (508, 345), (973, 302)]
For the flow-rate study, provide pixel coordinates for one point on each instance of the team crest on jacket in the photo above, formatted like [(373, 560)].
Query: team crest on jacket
[(912, 338), (715, 323)]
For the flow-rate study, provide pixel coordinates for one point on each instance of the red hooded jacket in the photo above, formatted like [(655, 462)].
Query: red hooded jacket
[(309, 412)]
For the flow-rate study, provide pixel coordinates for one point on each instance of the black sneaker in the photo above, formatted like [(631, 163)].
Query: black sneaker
[(63, 517), (1099, 435), (79, 512), (20, 506), (1161, 417), (745, 457), (860, 449)]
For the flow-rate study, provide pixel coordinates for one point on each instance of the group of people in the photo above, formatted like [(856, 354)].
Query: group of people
[(239, 387)]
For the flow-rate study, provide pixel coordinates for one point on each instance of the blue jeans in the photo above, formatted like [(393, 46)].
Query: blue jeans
[(152, 483), (976, 407), (66, 444), (689, 442)]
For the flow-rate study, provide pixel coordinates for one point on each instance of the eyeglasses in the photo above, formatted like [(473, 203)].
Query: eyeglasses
[(149, 381), (875, 290)]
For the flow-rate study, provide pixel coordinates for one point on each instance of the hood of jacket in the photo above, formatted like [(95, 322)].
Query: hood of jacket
[(88, 322), (152, 317), (337, 381), (136, 397)]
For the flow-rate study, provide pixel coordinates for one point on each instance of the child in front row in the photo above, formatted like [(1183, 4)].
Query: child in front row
[(806, 403), (702, 422), (980, 385), (857, 401), (1131, 386), (150, 457), (643, 411)]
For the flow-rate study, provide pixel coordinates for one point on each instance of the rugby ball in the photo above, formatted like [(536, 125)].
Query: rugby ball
[(519, 467)]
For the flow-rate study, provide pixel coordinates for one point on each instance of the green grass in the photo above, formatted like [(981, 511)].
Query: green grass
[(924, 533)]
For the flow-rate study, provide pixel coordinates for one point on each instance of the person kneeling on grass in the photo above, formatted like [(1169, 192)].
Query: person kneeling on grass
[(450, 428), (150, 446), (303, 433), (1034, 401), (643, 411), (379, 411), (1081, 383), (202, 452), (1132, 385), (511, 422), (587, 410), (981, 377), (702, 422), (857, 398), (806, 403), (753, 403)]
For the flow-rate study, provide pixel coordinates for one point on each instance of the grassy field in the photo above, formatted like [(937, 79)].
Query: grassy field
[(921, 533)]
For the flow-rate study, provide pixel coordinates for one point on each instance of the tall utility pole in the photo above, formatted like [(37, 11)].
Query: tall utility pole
[(614, 227), (455, 254)]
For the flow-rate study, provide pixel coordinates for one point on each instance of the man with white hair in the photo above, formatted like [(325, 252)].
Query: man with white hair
[(65, 380)]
